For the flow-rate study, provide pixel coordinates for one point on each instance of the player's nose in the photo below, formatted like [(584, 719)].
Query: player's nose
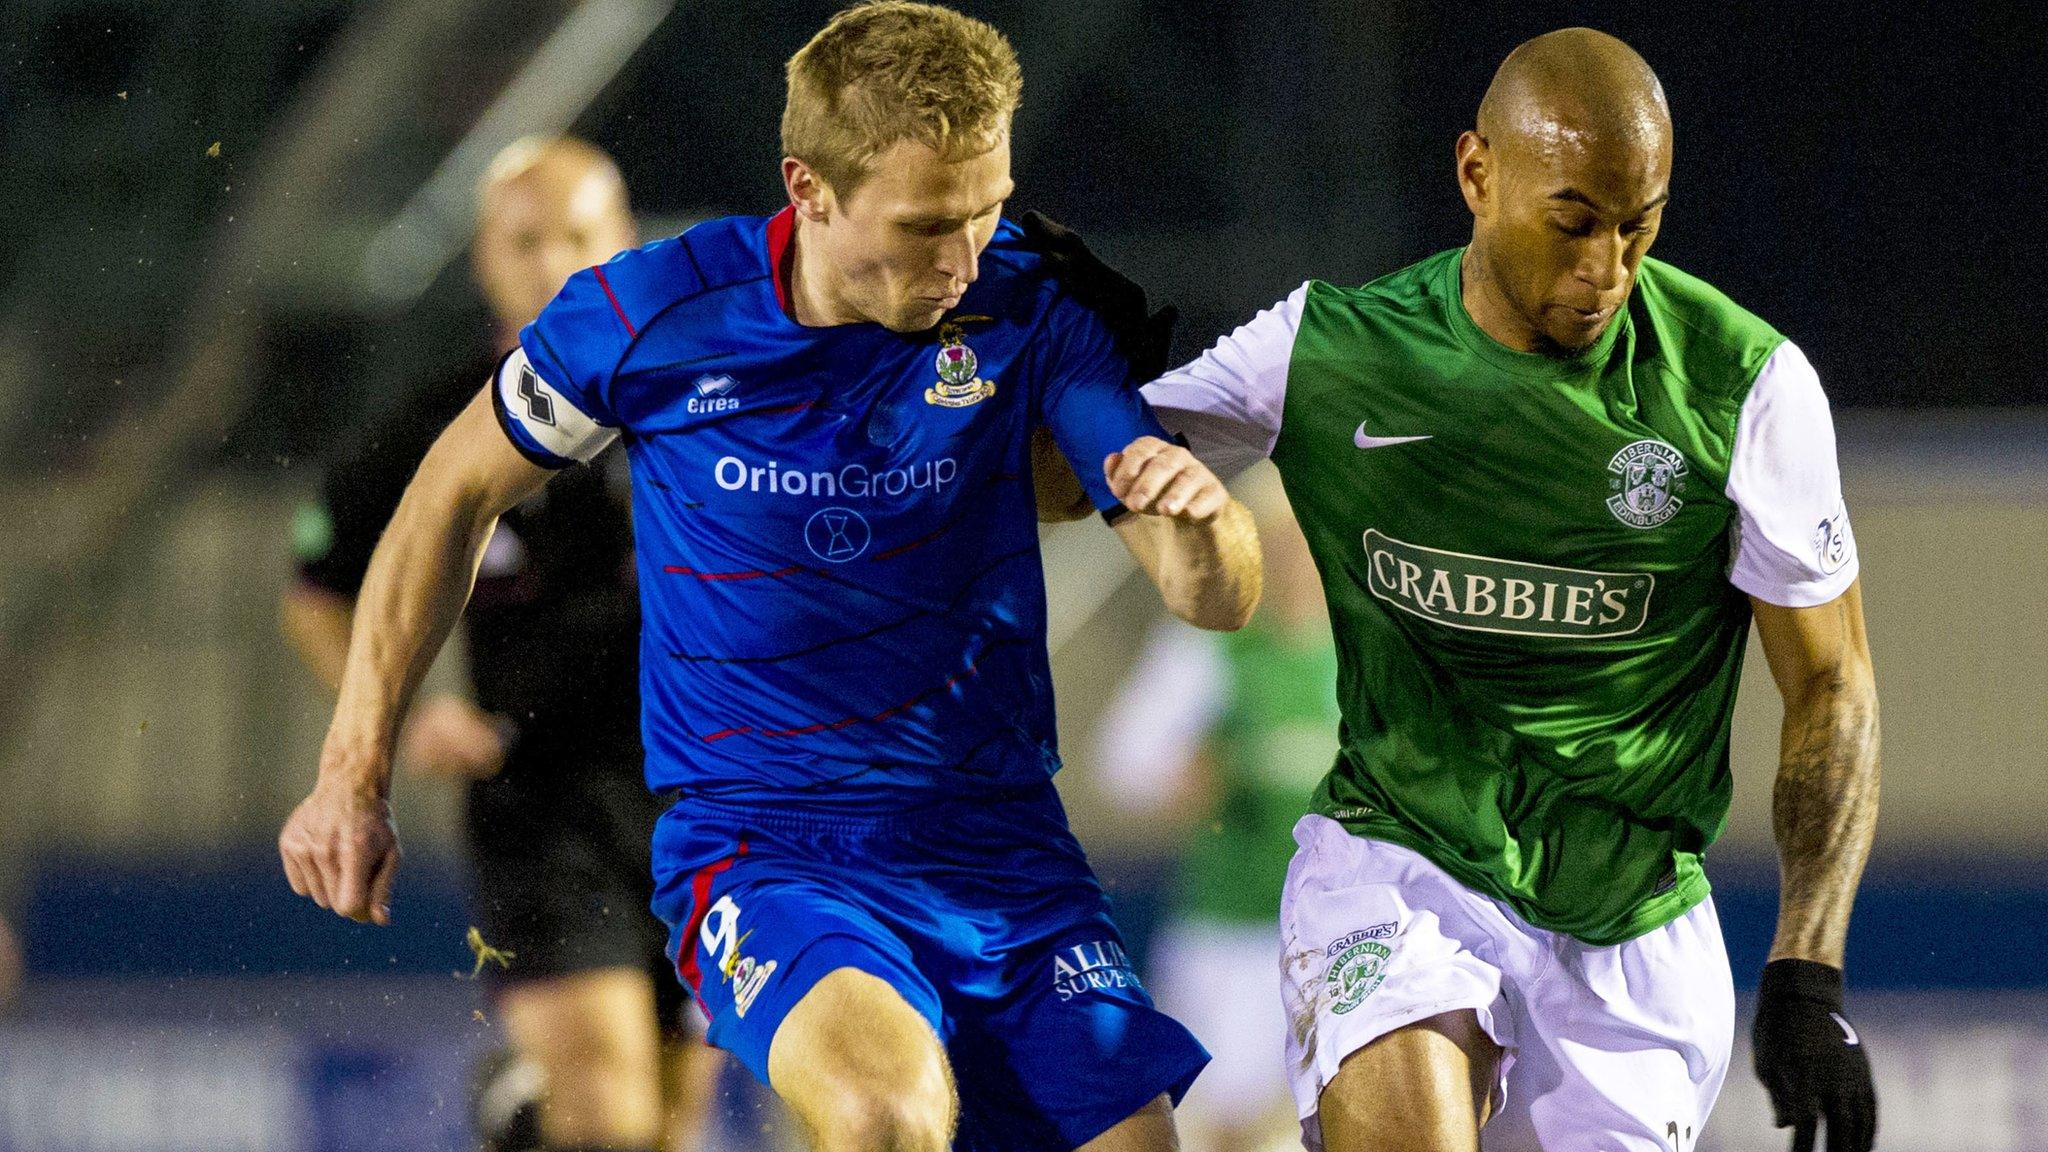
[(960, 259), (1603, 265)]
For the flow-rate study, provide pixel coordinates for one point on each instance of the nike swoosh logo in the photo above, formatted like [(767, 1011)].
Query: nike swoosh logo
[(1363, 441), (1848, 1033)]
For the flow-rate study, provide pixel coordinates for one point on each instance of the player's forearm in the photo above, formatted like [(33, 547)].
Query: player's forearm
[(412, 596), (1824, 810), (316, 623), (1209, 572)]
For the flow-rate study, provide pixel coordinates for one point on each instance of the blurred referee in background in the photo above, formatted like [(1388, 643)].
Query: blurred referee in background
[(559, 820)]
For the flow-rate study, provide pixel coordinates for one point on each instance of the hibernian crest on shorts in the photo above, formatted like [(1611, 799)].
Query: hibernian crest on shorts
[(1358, 962), (1645, 480), (957, 364)]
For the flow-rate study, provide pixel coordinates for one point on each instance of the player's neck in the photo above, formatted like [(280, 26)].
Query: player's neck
[(816, 294), (1488, 306)]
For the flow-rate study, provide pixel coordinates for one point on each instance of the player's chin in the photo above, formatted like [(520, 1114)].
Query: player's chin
[(916, 316), (1573, 330)]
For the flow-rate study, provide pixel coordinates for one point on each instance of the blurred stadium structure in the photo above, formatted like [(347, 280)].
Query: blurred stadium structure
[(234, 231)]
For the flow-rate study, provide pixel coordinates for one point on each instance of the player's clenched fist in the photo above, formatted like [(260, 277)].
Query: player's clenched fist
[(340, 848), (1155, 478)]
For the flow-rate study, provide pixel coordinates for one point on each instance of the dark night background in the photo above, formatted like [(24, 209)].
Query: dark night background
[(186, 337), (1865, 179)]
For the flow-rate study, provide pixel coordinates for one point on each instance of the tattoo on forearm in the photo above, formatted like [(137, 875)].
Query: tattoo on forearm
[(1824, 812)]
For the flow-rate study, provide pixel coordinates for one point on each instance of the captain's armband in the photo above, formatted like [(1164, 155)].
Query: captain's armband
[(545, 425)]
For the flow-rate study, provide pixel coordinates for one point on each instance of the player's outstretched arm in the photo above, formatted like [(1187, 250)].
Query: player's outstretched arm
[(1824, 805), (1188, 533), (1824, 811), (340, 847)]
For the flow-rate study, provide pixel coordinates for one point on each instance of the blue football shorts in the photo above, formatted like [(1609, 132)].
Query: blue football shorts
[(983, 915)]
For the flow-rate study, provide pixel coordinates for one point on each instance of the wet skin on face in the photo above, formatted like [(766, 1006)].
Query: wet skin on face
[(1566, 175)]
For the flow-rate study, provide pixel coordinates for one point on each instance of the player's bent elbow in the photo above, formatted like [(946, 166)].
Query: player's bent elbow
[(1216, 613)]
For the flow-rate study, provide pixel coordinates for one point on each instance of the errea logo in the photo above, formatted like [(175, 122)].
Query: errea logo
[(712, 394)]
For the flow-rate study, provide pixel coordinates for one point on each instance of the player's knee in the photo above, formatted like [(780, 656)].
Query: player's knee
[(903, 1105), (873, 1119)]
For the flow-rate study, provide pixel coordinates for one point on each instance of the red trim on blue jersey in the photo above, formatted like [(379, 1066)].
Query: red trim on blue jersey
[(781, 230), (681, 570), (687, 945), (616, 307)]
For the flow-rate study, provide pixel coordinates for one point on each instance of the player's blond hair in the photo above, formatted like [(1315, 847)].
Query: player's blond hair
[(893, 70)]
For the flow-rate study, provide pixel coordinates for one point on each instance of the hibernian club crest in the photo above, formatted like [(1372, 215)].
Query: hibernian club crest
[(1645, 480), (957, 364), (1358, 964)]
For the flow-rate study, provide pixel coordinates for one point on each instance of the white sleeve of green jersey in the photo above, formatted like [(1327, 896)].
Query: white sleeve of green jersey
[(1227, 401), (1794, 547), (1153, 728)]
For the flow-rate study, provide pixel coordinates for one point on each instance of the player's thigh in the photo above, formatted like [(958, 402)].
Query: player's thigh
[(1392, 974), (807, 986), (1420, 1088), (862, 1068)]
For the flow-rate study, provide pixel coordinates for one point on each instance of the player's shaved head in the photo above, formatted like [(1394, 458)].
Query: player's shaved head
[(1575, 88), (546, 207), (1566, 174)]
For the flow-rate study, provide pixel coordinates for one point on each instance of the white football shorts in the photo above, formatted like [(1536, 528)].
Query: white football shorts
[(1620, 1048)]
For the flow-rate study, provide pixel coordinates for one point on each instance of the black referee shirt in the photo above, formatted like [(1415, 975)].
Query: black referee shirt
[(554, 622)]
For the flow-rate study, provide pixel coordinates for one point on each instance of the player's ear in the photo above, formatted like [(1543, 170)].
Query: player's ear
[(1475, 172), (808, 192)]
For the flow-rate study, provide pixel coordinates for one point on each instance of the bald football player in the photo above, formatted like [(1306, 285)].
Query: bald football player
[(1550, 482)]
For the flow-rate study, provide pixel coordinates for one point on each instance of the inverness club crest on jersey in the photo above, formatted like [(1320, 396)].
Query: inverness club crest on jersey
[(957, 364), (1646, 478)]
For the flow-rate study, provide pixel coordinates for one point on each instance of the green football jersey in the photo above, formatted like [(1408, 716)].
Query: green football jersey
[(1537, 568)]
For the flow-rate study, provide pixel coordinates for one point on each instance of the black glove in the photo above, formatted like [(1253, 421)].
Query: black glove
[(1144, 337), (1810, 1060)]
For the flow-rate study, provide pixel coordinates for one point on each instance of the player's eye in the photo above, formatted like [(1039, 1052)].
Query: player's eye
[(1583, 227)]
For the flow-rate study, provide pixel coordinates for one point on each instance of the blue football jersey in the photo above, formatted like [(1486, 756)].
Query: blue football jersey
[(837, 540)]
